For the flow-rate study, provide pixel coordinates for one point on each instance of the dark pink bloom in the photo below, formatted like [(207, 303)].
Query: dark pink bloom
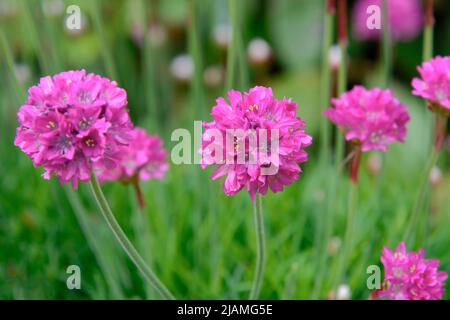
[(144, 158), (434, 84), (255, 141), (372, 118), (69, 122), (405, 19), (409, 276)]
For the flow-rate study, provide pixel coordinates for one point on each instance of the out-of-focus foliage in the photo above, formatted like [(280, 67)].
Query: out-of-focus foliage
[(200, 242)]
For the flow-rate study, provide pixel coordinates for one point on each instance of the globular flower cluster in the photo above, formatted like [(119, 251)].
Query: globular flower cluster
[(251, 113), (409, 276), (73, 123), (434, 84), (144, 158), (372, 118), (401, 28)]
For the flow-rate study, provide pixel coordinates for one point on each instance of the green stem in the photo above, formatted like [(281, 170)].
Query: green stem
[(260, 245), (90, 235), (32, 28), (352, 202), (420, 198), (125, 242), (325, 221), (141, 225), (328, 221), (232, 56), (342, 72), (325, 81), (195, 51), (427, 52), (7, 51), (386, 44), (150, 57), (101, 36)]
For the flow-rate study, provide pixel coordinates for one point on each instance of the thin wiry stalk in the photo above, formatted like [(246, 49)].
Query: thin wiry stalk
[(195, 51), (106, 51), (342, 73), (89, 234), (325, 95), (126, 244), (232, 55), (348, 238), (427, 53), (325, 80), (418, 206), (149, 70), (260, 247), (387, 47)]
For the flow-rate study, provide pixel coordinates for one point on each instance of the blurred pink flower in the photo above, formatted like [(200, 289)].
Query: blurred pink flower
[(373, 118), (72, 123), (405, 19), (253, 113), (408, 276), (434, 84), (144, 158)]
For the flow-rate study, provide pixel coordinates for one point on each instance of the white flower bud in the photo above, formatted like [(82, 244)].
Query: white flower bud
[(182, 68), (259, 51)]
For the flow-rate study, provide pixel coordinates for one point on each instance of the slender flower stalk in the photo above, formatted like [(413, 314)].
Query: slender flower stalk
[(138, 192), (195, 51), (354, 165), (351, 211), (125, 242), (89, 232), (245, 159), (370, 120), (430, 87), (342, 73), (424, 179), (144, 158), (325, 80), (323, 233), (236, 57), (106, 53), (427, 52), (260, 245), (386, 46), (232, 56), (74, 124)]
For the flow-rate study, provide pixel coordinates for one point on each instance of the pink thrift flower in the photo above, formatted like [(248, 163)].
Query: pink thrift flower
[(73, 123), (250, 159), (408, 276), (434, 84), (143, 158), (373, 118), (405, 19)]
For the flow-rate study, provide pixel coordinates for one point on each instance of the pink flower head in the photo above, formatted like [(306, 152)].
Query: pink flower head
[(73, 123), (408, 276), (405, 19), (434, 84), (255, 141), (373, 118), (143, 158)]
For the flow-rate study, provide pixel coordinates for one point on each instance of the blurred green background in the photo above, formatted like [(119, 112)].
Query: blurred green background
[(200, 242)]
